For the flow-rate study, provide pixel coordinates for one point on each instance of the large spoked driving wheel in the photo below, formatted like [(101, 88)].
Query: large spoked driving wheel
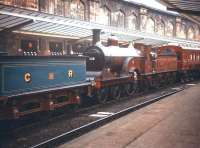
[(116, 92), (102, 95), (131, 88)]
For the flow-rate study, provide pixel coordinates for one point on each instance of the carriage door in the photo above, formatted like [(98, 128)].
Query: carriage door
[(153, 56)]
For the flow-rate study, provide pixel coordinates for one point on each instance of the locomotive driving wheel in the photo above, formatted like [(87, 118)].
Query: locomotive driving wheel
[(115, 92), (131, 88), (102, 95)]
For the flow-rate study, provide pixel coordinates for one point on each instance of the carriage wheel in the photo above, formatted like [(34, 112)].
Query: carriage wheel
[(166, 80), (154, 83), (146, 85), (102, 95), (116, 92), (131, 88), (172, 79), (191, 76)]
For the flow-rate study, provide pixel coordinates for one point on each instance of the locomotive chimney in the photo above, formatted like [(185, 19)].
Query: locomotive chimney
[(96, 35)]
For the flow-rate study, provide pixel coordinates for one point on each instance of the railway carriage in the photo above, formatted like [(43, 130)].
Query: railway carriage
[(188, 61)]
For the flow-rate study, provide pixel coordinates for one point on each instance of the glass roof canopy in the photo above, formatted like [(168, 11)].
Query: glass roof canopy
[(187, 8), (33, 22)]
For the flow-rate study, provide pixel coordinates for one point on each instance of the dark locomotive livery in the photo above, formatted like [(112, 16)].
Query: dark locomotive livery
[(43, 83)]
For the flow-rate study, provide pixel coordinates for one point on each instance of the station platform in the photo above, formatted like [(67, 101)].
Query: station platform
[(173, 122)]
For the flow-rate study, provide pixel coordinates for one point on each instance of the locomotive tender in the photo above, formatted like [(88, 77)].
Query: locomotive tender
[(30, 84), (29, 75), (38, 83)]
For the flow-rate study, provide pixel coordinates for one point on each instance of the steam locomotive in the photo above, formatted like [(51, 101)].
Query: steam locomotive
[(32, 84)]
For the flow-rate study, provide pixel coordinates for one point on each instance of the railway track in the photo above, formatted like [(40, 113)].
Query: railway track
[(66, 127), (67, 136), (46, 118)]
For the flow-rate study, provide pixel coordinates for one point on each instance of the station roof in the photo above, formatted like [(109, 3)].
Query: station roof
[(37, 23), (188, 8)]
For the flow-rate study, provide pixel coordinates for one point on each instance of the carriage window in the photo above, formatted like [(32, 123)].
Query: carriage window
[(167, 51), (191, 57), (29, 47), (194, 57), (56, 48)]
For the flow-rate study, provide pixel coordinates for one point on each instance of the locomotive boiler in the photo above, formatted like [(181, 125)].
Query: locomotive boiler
[(111, 58)]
